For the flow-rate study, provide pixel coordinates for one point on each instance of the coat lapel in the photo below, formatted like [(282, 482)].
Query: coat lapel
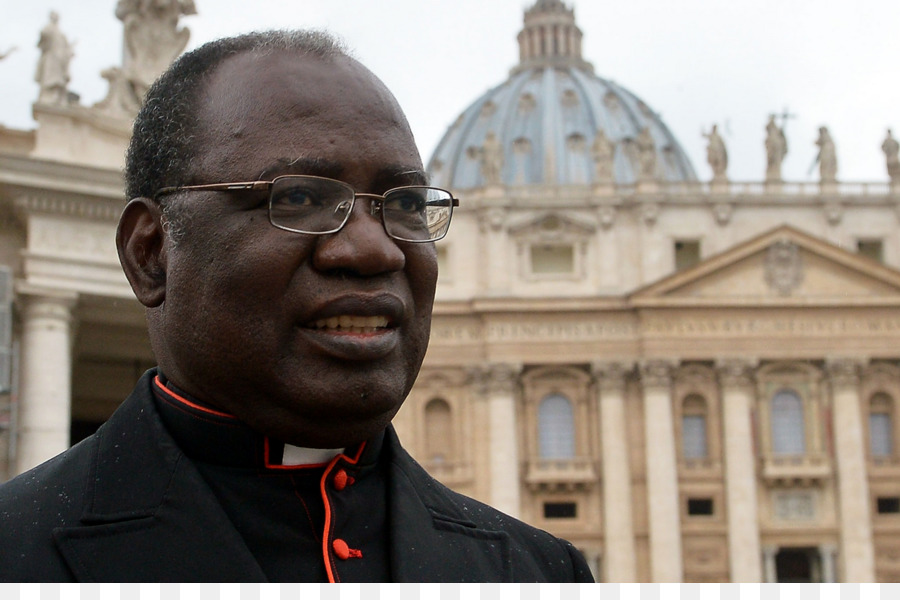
[(431, 539), (147, 507)]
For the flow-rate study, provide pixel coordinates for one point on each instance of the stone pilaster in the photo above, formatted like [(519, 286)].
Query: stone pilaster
[(46, 377), (500, 381), (827, 553), (735, 377), (770, 571), (662, 474), (853, 490), (618, 521)]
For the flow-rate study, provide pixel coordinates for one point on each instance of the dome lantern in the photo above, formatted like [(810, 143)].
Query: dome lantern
[(550, 37)]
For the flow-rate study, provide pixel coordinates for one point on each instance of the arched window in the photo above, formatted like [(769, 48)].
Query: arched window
[(881, 426), (788, 427), (556, 427), (438, 431), (693, 428)]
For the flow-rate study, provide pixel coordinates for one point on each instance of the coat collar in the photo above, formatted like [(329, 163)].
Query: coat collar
[(147, 509), (146, 499)]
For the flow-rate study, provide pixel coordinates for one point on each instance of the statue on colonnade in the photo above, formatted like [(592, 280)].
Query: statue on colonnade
[(827, 157), (891, 149), (716, 154), (776, 148), (152, 41), (52, 72)]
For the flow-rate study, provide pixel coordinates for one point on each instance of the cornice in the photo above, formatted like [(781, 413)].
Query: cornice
[(23, 175), (71, 206)]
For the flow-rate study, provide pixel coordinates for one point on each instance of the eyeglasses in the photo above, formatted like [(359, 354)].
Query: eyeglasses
[(319, 205)]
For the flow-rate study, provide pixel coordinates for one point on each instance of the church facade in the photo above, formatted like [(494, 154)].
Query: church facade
[(690, 380)]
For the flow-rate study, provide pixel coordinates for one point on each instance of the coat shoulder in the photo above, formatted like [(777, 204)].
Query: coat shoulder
[(535, 553)]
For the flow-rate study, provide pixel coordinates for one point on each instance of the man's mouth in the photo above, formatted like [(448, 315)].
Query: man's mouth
[(352, 324)]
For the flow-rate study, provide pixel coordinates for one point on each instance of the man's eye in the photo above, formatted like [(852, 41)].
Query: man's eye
[(297, 197), (406, 202)]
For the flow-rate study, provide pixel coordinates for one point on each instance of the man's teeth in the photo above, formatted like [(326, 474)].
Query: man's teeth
[(352, 324)]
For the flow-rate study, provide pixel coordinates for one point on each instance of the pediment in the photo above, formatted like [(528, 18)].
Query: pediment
[(552, 226), (781, 266)]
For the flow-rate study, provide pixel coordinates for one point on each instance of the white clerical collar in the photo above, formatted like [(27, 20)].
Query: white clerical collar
[(295, 455)]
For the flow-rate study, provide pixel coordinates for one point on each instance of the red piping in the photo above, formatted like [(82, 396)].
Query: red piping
[(183, 400)]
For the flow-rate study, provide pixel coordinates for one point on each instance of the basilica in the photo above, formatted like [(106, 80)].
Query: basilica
[(692, 381)]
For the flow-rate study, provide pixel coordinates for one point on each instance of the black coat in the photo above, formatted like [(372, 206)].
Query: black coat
[(127, 505)]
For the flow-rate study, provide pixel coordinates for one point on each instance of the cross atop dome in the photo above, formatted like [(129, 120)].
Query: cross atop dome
[(550, 37)]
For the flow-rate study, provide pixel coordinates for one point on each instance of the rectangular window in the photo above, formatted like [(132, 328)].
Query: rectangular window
[(687, 254), (870, 248), (559, 510), (889, 505), (693, 436), (552, 260), (700, 506), (880, 435)]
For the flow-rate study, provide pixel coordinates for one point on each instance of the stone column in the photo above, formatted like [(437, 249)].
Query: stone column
[(500, 387), (618, 522), (827, 553), (45, 377), (771, 573), (662, 475), (853, 488), (740, 471)]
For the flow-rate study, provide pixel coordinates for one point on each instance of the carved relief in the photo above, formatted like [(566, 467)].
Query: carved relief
[(783, 267), (794, 505)]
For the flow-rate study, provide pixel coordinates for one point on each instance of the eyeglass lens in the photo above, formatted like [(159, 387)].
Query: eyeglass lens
[(320, 205)]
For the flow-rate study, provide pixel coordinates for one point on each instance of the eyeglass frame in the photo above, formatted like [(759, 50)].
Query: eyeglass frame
[(263, 185)]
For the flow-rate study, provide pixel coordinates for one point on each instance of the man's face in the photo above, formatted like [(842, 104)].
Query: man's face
[(273, 326)]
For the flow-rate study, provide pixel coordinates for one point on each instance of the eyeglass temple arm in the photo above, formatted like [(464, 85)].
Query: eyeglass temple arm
[(217, 187)]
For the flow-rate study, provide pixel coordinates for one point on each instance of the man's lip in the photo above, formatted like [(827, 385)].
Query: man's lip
[(363, 310)]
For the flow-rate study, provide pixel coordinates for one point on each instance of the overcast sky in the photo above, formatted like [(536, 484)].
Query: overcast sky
[(695, 62)]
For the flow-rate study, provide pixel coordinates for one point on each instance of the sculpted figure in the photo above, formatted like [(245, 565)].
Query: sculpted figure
[(891, 149), (152, 37), (827, 157), (603, 151), (52, 72), (646, 148), (776, 148), (716, 154), (280, 235), (491, 159)]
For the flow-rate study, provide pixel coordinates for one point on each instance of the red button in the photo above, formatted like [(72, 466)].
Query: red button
[(340, 480), (343, 551)]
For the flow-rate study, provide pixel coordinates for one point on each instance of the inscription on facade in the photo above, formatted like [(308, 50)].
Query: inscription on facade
[(713, 326), (795, 506)]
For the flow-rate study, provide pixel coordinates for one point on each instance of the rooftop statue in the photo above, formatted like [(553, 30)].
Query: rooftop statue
[(603, 151), (716, 154), (491, 159), (827, 157), (891, 149), (153, 41), (52, 72), (152, 37), (776, 148), (647, 155)]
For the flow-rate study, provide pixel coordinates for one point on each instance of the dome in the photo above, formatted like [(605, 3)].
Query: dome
[(554, 122)]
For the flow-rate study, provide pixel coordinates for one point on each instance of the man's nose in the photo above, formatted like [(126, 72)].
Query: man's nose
[(361, 246)]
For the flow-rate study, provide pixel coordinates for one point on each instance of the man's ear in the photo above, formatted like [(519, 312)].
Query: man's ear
[(140, 240)]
